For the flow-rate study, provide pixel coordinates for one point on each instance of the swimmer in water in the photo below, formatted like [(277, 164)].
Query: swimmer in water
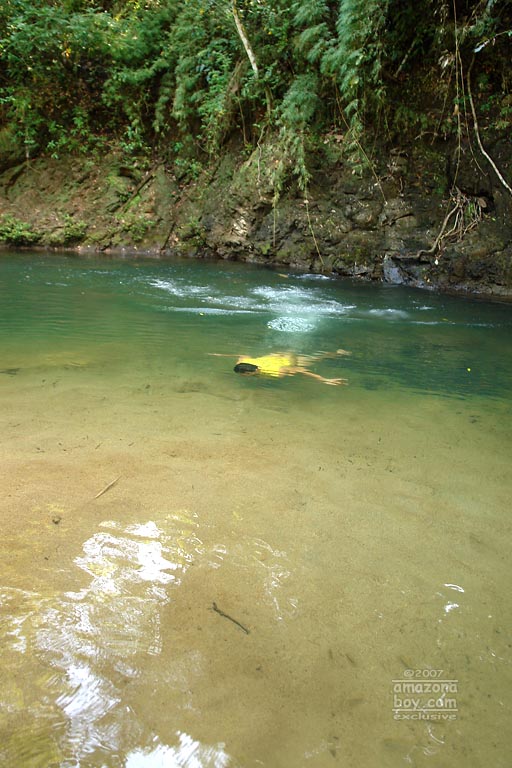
[(279, 364)]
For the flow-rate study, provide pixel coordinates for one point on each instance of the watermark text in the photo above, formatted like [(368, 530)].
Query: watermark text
[(425, 694)]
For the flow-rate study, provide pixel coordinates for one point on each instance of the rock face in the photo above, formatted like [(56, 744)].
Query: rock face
[(408, 219)]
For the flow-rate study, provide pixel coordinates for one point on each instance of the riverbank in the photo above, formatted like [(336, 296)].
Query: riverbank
[(408, 219), (356, 533)]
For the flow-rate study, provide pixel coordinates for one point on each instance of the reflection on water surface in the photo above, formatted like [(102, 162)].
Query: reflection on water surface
[(92, 640), (356, 533)]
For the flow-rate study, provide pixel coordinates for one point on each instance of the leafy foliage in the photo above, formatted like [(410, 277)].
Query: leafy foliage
[(181, 77), (15, 232)]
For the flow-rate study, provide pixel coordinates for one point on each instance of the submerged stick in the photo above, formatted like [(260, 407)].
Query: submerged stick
[(225, 615), (107, 487)]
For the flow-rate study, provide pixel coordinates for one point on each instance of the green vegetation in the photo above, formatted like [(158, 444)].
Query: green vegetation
[(70, 232), (14, 232), (181, 78)]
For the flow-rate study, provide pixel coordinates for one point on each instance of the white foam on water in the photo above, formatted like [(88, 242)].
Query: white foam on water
[(181, 289), (389, 313), (329, 307), (239, 302), (285, 301), (312, 276), (288, 300), (430, 322), (290, 324), (210, 310), (283, 292)]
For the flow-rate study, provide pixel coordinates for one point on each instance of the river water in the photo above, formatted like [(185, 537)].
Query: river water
[(201, 569)]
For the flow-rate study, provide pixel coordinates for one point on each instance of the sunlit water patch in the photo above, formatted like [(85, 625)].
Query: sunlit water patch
[(201, 569), (91, 642)]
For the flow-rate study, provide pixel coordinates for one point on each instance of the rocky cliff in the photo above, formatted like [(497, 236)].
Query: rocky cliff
[(427, 215)]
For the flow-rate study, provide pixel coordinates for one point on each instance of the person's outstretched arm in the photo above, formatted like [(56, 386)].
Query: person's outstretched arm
[(219, 354), (332, 382)]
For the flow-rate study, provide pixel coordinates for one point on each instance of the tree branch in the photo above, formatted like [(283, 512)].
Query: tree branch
[(477, 134), (245, 40)]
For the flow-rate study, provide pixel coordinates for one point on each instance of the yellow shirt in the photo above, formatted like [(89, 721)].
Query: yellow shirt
[(270, 365)]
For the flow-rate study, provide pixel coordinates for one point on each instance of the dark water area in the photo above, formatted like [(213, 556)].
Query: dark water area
[(202, 569)]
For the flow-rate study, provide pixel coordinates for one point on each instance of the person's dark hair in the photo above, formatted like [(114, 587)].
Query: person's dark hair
[(245, 368)]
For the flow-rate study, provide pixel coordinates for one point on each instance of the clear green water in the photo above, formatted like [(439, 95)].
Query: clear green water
[(356, 532)]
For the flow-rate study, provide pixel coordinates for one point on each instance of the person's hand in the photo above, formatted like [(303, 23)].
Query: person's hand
[(335, 382)]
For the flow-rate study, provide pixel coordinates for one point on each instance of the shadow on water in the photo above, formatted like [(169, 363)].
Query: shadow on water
[(201, 569)]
